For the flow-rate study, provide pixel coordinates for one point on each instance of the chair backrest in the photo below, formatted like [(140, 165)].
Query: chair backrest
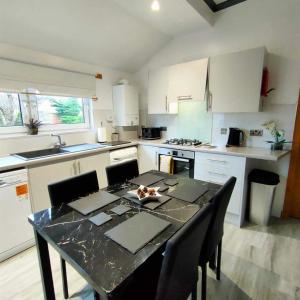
[(120, 173), (73, 188), (216, 227), (179, 272)]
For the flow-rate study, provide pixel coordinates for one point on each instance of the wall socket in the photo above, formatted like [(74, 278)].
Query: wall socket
[(223, 131), (256, 132)]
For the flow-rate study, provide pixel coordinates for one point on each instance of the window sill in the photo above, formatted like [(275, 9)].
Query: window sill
[(21, 135)]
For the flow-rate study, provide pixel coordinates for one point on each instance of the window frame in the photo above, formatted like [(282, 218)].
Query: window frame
[(18, 128), (29, 109)]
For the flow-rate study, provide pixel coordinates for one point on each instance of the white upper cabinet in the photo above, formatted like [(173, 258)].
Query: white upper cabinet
[(158, 102), (285, 78), (168, 85), (187, 81), (235, 81), (126, 105)]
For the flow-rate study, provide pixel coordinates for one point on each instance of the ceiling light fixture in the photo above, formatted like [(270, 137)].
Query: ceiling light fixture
[(155, 5)]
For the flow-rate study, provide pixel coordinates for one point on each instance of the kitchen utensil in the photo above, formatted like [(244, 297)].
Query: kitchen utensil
[(115, 137)]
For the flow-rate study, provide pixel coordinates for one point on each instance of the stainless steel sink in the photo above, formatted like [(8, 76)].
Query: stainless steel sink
[(57, 151), (40, 153), (83, 147)]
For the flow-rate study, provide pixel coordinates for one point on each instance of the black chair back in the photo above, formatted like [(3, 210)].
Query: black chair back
[(216, 227), (179, 272), (122, 172), (73, 188)]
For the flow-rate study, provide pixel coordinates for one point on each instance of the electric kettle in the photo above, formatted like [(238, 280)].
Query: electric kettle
[(236, 137)]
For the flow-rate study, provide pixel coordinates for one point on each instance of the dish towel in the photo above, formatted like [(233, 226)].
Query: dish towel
[(166, 164)]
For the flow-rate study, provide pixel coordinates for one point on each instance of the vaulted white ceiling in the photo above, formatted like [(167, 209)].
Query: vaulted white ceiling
[(174, 17), (122, 34)]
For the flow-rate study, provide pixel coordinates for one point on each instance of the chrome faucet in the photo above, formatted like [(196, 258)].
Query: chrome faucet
[(59, 144)]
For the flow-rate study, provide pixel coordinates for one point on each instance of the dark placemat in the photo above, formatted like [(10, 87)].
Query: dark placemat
[(163, 188), (146, 179), (120, 209), (93, 202), (161, 200), (100, 219), (151, 204), (189, 192), (171, 182), (138, 231)]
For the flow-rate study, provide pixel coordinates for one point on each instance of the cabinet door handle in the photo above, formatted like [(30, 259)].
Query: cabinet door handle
[(185, 97), (156, 159), (210, 100), (79, 167), (75, 168), (167, 104), (217, 160), (216, 173)]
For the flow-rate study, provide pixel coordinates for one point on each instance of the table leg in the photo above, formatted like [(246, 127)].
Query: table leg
[(45, 266)]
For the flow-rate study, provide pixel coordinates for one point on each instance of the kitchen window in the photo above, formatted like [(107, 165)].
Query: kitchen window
[(55, 112), (11, 118), (10, 110)]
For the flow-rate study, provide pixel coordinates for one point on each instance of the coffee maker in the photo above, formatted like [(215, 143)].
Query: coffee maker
[(236, 137)]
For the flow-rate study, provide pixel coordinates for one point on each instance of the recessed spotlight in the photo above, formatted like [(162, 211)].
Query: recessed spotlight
[(155, 5)]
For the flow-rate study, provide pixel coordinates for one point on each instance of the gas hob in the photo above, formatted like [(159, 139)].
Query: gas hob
[(183, 142)]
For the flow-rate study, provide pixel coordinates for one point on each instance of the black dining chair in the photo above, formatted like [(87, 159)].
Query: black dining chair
[(66, 191), (212, 246), (122, 172), (178, 274)]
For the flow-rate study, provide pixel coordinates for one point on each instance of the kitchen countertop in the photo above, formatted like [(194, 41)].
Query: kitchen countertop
[(249, 152), (10, 162)]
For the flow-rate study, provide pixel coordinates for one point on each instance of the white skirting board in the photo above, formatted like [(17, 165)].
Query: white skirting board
[(11, 252)]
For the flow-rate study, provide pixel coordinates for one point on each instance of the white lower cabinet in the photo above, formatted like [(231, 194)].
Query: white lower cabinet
[(41, 176), (148, 158), (96, 162), (218, 169)]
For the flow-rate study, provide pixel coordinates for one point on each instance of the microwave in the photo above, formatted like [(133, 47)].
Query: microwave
[(151, 133)]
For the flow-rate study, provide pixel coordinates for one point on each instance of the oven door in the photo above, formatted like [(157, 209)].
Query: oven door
[(184, 166)]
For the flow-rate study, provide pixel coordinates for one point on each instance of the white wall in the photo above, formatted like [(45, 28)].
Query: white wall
[(284, 115), (100, 112), (271, 23)]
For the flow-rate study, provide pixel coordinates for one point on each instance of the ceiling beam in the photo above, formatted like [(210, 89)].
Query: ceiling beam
[(211, 4), (203, 10), (226, 4), (217, 7)]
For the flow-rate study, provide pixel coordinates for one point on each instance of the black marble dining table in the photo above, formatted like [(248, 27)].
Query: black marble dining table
[(104, 264)]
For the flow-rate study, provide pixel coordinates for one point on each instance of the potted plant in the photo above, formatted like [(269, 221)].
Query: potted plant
[(278, 135), (33, 126)]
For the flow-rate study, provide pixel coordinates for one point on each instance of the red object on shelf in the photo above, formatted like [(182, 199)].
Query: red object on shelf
[(265, 83)]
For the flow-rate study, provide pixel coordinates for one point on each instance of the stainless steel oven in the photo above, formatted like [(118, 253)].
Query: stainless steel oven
[(184, 161)]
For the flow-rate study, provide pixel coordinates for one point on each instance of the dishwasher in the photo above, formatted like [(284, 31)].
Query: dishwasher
[(122, 155), (15, 231)]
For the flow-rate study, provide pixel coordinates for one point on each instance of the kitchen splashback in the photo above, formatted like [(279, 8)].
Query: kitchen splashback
[(192, 121)]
